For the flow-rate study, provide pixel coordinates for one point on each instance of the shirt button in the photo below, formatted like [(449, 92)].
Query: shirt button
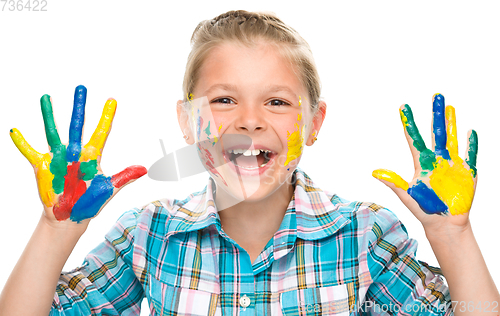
[(244, 301)]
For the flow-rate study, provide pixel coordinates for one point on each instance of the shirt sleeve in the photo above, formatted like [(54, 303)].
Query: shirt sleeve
[(106, 283), (401, 284)]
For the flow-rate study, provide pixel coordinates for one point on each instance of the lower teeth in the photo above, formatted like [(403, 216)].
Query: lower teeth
[(249, 168)]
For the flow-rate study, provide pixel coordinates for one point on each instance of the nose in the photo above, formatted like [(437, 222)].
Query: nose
[(250, 118)]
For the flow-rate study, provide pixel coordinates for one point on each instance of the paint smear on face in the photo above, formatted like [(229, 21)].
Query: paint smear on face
[(209, 161), (295, 144), (201, 115), (295, 140), (216, 139)]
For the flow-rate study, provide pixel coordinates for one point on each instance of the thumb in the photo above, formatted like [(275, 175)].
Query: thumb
[(127, 176), (399, 186)]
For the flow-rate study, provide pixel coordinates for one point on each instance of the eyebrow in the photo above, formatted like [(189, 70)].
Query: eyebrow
[(233, 88)]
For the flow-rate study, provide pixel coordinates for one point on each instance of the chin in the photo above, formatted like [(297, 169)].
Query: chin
[(248, 188)]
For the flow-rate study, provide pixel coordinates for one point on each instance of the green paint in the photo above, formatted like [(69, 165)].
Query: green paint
[(11, 131), (48, 120), (427, 159), (58, 167), (89, 169), (412, 129), (207, 130), (472, 152)]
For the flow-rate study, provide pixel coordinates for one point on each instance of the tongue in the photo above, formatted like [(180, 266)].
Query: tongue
[(249, 161)]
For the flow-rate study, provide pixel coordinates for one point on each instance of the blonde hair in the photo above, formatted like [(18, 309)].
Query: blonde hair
[(247, 27)]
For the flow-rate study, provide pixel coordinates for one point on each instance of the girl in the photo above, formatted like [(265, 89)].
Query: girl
[(261, 238)]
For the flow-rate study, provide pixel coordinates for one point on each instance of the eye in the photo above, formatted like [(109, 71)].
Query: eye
[(277, 102), (223, 100)]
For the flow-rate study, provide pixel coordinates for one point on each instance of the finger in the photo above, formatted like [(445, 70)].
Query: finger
[(41, 163), (48, 119), (422, 156), (33, 156), (438, 126), (451, 130), (471, 154), (94, 147), (76, 126), (101, 190), (391, 177), (128, 175)]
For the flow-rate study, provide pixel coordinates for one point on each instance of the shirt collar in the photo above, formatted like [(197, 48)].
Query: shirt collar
[(314, 216)]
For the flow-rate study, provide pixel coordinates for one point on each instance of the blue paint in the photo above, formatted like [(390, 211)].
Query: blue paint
[(439, 126), (89, 204), (76, 126), (429, 202)]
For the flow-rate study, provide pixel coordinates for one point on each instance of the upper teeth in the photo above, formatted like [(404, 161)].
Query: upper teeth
[(248, 152)]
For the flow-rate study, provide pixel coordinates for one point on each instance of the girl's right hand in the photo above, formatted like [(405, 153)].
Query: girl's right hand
[(70, 181)]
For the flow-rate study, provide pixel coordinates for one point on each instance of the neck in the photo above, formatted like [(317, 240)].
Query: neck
[(255, 221)]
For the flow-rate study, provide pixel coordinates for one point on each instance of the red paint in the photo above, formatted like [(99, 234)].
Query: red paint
[(209, 163), (74, 188), (130, 173)]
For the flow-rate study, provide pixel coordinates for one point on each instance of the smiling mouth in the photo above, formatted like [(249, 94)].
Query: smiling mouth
[(249, 159)]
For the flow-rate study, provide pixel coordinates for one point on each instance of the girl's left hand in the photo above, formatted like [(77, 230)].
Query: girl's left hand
[(441, 192)]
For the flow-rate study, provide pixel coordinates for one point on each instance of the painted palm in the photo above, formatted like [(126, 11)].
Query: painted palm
[(69, 177), (443, 182)]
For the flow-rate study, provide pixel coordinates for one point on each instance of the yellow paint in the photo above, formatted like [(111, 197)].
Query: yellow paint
[(451, 130), (404, 120), (295, 144), (299, 116), (453, 184), (32, 155), (392, 177), (42, 167), (300, 101), (93, 149), (216, 139), (44, 179)]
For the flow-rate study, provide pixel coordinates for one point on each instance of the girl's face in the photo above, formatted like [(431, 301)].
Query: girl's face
[(250, 100)]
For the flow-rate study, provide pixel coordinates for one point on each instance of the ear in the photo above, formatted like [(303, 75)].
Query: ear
[(183, 117), (317, 121)]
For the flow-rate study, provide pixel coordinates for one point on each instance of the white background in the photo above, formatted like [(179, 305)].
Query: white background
[(372, 57)]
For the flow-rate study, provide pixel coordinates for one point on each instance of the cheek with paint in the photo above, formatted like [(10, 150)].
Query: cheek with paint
[(445, 183), (207, 136), (295, 139)]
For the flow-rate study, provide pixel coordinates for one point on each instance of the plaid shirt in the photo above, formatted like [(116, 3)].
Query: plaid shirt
[(329, 257)]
